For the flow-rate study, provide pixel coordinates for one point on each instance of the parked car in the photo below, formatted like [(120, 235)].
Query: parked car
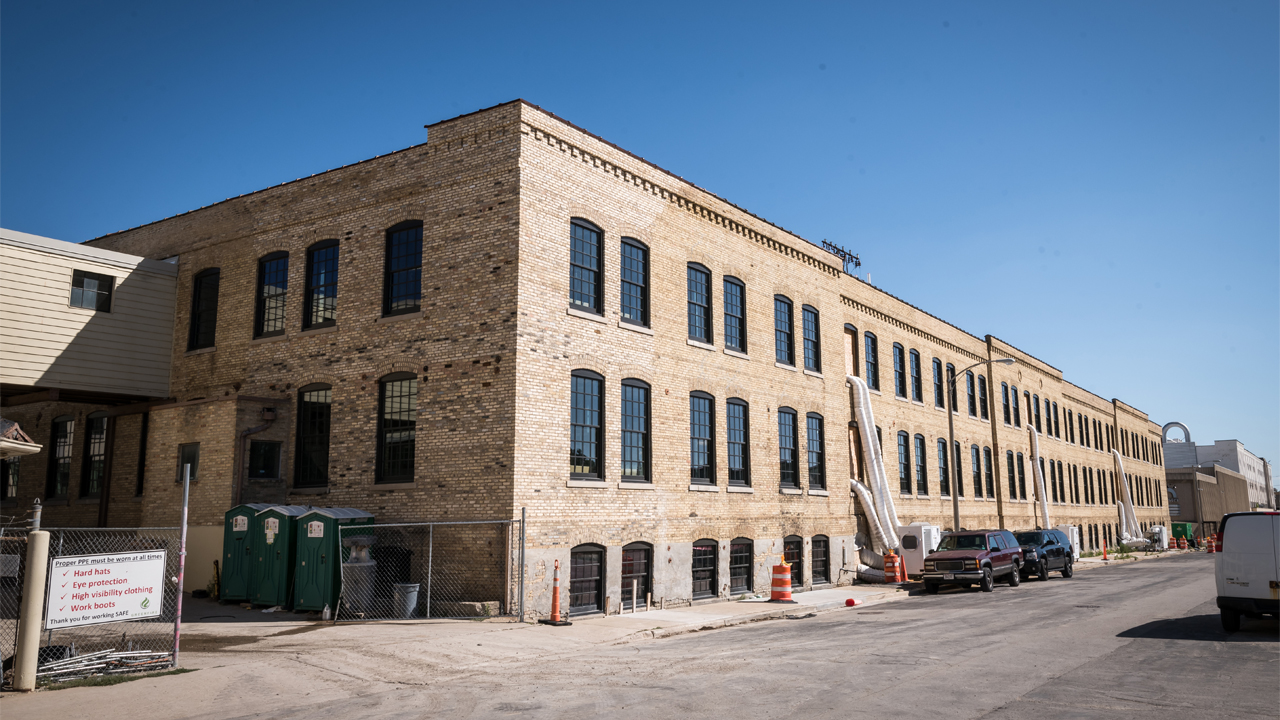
[(1247, 568), (974, 556), (1044, 551)]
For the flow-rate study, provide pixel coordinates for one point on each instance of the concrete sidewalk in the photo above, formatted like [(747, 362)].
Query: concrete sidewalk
[(1137, 556)]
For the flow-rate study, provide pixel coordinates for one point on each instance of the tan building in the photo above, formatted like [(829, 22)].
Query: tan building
[(519, 314), (1202, 495)]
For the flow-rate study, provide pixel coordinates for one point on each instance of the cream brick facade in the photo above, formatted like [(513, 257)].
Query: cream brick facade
[(497, 340)]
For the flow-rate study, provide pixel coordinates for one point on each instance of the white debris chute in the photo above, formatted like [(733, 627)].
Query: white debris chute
[(1130, 531), (1035, 468), (876, 499)]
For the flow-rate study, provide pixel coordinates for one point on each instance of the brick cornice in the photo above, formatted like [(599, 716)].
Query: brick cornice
[(904, 325)]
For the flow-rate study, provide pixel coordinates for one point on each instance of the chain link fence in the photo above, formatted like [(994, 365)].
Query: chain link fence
[(13, 562), (137, 645), (431, 570)]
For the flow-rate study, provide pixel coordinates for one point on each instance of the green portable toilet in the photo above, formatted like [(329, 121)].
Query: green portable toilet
[(237, 576), (275, 538), (318, 575)]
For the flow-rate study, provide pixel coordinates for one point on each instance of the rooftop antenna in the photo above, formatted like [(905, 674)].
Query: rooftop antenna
[(851, 261)]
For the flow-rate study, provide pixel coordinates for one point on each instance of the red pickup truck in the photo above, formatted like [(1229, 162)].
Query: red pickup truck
[(974, 556)]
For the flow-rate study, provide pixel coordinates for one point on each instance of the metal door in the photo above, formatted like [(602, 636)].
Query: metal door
[(636, 562)]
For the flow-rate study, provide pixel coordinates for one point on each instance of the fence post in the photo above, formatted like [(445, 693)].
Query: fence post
[(182, 559), (523, 519), (431, 536), (27, 657)]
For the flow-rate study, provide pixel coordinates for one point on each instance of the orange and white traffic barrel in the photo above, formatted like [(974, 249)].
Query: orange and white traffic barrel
[(781, 589)]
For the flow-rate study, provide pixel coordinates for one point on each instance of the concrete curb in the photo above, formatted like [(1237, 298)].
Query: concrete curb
[(1097, 562), (794, 612)]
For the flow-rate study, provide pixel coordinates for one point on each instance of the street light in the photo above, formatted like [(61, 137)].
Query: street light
[(951, 436)]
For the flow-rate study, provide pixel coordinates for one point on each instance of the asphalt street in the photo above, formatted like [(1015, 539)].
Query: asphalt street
[(1129, 641)]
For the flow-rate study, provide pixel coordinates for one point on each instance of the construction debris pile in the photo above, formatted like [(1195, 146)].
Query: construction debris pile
[(104, 662)]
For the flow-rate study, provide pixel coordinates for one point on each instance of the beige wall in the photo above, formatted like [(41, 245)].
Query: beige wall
[(44, 342)]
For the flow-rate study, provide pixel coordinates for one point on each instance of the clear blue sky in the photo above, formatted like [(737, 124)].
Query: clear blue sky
[(1096, 183)]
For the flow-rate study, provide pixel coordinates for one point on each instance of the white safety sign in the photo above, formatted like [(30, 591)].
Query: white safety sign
[(93, 589)]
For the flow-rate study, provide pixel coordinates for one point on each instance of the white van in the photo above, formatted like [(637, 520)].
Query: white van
[(1248, 566)]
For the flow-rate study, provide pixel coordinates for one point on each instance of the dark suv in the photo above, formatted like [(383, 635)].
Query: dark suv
[(1043, 551), (974, 556)]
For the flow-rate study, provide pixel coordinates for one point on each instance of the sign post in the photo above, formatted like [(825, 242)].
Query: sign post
[(182, 559)]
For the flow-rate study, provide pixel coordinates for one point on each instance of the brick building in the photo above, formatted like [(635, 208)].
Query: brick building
[(519, 314)]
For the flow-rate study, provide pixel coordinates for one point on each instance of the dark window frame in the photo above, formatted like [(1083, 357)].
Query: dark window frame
[(904, 463), (812, 337), (259, 446), (583, 277), (598, 587), (819, 560), (93, 460), (853, 339), (939, 385), (704, 473), (922, 465), (61, 450), (1017, 406), (705, 568), (788, 470), (598, 441), (793, 554), (203, 321), (324, 314), (94, 299), (984, 398), (735, 325), (384, 472), (699, 302), (738, 477), (784, 335), (971, 393), (975, 458), (916, 374), (313, 436), (183, 450), (944, 469), (740, 548), (627, 400), (633, 293), (400, 237), (899, 371), (871, 356), (643, 588), (270, 300), (817, 456)]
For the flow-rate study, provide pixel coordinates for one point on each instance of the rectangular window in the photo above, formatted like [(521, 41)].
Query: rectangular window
[(983, 400), (944, 469), (1004, 401), (397, 429), (988, 472), (976, 462), (973, 396), (402, 280), (1053, 481), (821, 552), (738, 443), (62, 437), (204, 310), (873, 361), (741, 555), (899, 371), (272, 295), (264, 460), (787, 473), (699, 303), (922, 472), (783, 334), (939, 399), (94, 471), (322, 285), (188, 458), (9, 468), (904, 464), (140, 481), (1035, 409), (735, 315), (951, 383), (917, 382), (584, 265), (1057, 428), (584, 426), (635, 283), (635, 431), (817, 452), (311, 465), (91, 291), (1048, 418), (701, 444), (1013, 482), (1017, 407), (812, 340), (1022, 479), (959, 471), (1071, 427)]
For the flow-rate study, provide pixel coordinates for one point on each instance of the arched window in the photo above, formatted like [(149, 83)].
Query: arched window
[(922, 472), (984, 402), (917, 381), (851, 350), (584, 266), (975, 459), (793, 554), (706, 555), (702, 443), (971, 392), (397, 427), (315, 408), (586, 579), (1013, 482), (812, 339), (402, 269), (699, 294), (1035, 405), (1057, 428), (959, 470), (204, 309), (1017, 407), (784, 349), (988, 473), (944, 469), (1053, 481), (637, 573), (1004, 401), (939, 399), (904, 463), (899, 371), (741, 564), (820, 552), (1062, 488), (873, 361), (1071, 427), (94, 471), (321, 301), (61, 439), (817, 451), (1022, 479), (272, 294), (586, 444), (788, 475), (635, 431), (1084, 430), (735, 315), (1048, 418), (635, 282), (738, 441), (951, 383)]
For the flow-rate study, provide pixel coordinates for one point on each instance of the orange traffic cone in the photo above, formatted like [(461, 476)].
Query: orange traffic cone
[(555, 601), (1104, 548)]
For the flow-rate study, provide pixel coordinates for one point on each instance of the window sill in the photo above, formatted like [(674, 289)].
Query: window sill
[(268, 339), (633, 485), (201, 351), (699, 344), (394, 486), (319, 330), (314, 490), (790, 491), (820, 493), (901, 398), (735, 353), (811, 373), (695, 487), (792, 368), (586, 315), (599, 484), (635, 328), (747, 489), (874, 391), (88, 501), (397, 318)]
